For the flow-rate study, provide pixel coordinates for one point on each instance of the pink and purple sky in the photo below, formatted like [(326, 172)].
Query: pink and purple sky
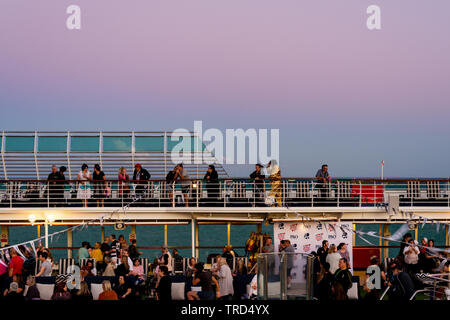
[(339, 93)]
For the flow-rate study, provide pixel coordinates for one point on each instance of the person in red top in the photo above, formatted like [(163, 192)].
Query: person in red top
[(15, 264)]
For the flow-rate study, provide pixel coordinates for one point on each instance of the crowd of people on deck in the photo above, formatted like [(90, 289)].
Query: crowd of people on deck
[(94, 185), (333, 279), (124, 277)]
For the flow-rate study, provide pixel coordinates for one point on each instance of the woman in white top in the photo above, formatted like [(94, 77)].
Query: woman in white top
[(333, 258), (411, 253), (84, 187), (225, 279)]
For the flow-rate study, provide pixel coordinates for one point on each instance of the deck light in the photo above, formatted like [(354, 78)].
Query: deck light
[(32, 219)]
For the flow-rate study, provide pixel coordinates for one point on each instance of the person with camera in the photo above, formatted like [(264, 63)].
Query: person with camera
[(205, 280)]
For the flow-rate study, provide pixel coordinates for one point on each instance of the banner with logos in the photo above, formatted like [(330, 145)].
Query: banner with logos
[(306, 237)]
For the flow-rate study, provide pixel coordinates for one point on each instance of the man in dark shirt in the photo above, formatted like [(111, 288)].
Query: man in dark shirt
[(177, 261), (402, 284), (29, 265), (164, 284), (343, 276), (133, 252), (61, 184), (141, 176), (323, 179), (323, 252), (106, 248), (53, 185), (259, 181)]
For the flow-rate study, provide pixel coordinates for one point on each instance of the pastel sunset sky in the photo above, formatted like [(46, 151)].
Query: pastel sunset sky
[(339, 93)]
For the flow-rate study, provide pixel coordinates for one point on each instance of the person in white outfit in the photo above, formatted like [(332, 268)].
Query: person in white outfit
[(84, 187), (223, 271), (333, 258)]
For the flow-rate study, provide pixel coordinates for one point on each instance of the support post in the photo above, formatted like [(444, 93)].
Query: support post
[(165, 235), (229, 233), (197, 238), (193, 222), (133, 230), (38, 230), (103, 233), (447, 237), (386, 233), (69, 243), (46, 233)]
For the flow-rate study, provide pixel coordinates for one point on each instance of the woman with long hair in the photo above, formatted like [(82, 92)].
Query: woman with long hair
[(84, 188), (333, 258), (124, 188), (124, 268), (83, 294), (108, 293)]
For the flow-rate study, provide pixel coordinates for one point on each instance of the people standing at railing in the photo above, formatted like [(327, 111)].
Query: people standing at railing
[(46, 266), (342, 250), (115, 249), (212, 182), (323, 179), (322, 252), (402, 286), (141, 177), (325, 279), (53, 188), (183, 176), (259, 177), (99, 182), (83, 252), (403, 244), (133, 251), (97, 254), (170, 184), (124, 187), (333, 258), (165, 259), (411, 253), (84, 187), (275, 182), (289, 249), (223, 272), (269, 250), (343, 277)]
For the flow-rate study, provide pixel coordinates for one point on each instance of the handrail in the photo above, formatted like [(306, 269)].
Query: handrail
[(346, 179)]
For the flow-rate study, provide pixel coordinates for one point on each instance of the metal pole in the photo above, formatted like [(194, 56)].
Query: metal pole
[(46, 233), (197, 237), (228, 233), (193, 237), (165, 235), (69, 243)]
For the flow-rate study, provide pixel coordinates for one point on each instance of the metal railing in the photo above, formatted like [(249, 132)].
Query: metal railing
[(237, 192), (283, 276)]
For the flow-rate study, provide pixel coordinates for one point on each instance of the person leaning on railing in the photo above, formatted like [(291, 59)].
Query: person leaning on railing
[(142, 176), (323, 178)]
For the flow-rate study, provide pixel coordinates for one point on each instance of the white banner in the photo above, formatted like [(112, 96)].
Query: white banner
[(306, 237)]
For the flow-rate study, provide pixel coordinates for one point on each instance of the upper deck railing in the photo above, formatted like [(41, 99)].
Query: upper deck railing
[(235, 192)]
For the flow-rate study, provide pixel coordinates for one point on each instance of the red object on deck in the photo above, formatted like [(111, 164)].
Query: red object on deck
[(361, 257), (370, 193)]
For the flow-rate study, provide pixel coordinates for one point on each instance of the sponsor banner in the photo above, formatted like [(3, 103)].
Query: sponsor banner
[(307, 237)]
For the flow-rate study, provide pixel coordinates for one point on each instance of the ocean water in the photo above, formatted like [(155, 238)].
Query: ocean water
[(180, 235)]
